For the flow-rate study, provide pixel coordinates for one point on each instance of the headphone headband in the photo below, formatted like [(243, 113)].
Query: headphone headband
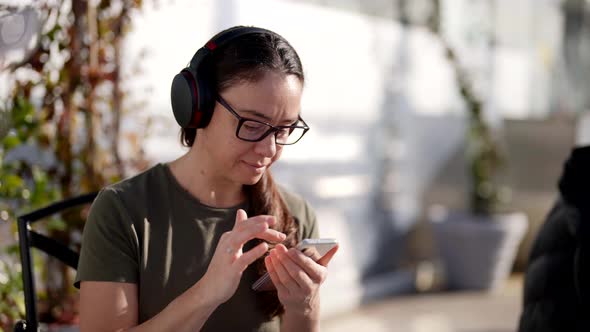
[(220, 40)]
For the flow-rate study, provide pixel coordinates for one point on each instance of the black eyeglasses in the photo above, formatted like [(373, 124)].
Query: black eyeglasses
[(255, 131)]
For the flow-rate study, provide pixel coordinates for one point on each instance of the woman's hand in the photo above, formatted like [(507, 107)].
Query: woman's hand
[(229, 261), (297, 279)]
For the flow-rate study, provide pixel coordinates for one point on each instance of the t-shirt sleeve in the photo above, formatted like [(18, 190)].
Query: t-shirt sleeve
[(109, 243)]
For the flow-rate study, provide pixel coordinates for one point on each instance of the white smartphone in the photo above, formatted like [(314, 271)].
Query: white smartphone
[(313, 248)]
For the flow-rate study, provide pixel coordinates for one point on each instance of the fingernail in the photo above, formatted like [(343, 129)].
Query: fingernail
[(283, 236)]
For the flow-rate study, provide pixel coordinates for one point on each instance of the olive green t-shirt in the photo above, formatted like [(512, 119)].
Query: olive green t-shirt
[(150, 231)]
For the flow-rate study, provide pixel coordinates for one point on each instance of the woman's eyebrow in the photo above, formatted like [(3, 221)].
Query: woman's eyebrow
[(258, 114), (289, 122), (267, 118)]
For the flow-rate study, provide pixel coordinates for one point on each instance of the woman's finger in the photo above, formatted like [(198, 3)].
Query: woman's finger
[(250, 256), (248, 231), (328, 256), (295, 271), (260, 219), (274, 277), (314, 270), (271, 235), (268, 235), (255, 230), (240, 217), (282, 273)]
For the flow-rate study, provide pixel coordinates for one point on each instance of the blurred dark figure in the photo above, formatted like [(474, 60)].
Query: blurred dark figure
[(557, 283)]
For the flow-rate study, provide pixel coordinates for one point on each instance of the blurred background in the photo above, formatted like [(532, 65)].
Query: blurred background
[(438, 133)]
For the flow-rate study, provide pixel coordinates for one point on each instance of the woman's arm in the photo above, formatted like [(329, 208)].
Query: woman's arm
[(112, 306), (291, 321), (298, 279)]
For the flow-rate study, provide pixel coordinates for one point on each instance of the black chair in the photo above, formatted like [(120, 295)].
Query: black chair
[(30, 239)]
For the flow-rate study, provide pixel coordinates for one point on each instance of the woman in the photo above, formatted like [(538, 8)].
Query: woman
[(173, 248)]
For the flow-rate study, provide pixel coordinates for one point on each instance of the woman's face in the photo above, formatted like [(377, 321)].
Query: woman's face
[(274, 99)]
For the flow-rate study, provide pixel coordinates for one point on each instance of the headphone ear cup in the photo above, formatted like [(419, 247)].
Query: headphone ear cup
[(193, 100), (206, 103), (184, 98)]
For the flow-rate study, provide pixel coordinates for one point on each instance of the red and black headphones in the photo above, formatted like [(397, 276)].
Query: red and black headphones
[(192, 97)]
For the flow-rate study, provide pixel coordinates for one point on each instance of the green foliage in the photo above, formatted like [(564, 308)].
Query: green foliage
[(12, 305), (483, 154), (22, 183), (23, 186), (60, 131), (484, 157), (484, 161)]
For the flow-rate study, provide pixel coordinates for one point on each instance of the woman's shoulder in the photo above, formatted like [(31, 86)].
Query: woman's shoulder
[(301, 210), (140, 183), (294, 200), (133, 190)]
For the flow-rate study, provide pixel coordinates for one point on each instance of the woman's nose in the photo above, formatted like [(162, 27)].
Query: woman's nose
[(267, 147)]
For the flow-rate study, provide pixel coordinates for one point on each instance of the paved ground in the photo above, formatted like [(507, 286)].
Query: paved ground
[(436, 312)]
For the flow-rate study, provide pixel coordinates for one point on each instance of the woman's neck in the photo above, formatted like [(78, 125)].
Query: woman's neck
[(197, 177)]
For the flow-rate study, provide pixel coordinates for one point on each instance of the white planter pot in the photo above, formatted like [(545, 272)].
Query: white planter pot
[(477, 252)]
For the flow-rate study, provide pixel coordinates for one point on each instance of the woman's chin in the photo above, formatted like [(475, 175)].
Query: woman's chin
[(249, 175), (251, 180)]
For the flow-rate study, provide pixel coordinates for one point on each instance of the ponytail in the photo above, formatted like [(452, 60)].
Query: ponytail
[(265, 198)]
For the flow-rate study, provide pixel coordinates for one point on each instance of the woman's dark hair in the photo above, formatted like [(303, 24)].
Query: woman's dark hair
[(247, 59)]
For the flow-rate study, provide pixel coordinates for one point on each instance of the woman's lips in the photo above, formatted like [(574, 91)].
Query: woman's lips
[(256, 167)]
